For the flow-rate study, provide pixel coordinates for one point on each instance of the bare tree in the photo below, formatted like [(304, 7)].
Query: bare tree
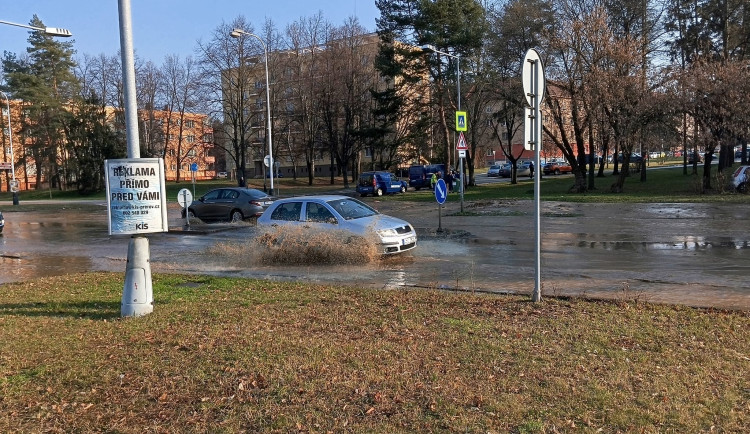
[(181, 88), (302, 123), (348, 76), (228, 69)]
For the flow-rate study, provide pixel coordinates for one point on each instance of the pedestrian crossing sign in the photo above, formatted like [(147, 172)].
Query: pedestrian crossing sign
[(461, 145), (461, 121)]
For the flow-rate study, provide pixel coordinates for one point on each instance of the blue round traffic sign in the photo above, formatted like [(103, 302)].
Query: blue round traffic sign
[(441, 191), (194, 167)]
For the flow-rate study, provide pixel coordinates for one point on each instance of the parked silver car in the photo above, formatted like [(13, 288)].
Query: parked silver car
[(741, 178), (231, 203), (494, 170), (344, 214)]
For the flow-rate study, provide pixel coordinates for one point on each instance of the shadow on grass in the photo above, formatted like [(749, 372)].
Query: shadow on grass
[(93, 310)]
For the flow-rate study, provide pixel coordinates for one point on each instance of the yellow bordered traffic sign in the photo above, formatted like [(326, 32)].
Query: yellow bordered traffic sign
[(462, 121)]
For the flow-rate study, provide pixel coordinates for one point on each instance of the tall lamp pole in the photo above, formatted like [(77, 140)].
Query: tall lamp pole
[(236, 33), (428, 48), (14, 186), (51, 31)]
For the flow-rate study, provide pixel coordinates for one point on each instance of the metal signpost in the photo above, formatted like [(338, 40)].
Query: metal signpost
[(185, 199), (137, 294), (533, 88), (441, 194), (193, 169), (461, 147), (136, 205)]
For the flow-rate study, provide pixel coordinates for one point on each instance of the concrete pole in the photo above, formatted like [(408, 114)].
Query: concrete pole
[(137, 294)]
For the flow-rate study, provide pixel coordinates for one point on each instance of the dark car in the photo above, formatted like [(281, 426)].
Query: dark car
[(505, 170), (691, 158), (419, 175), (2, 223), (379, 183), (229, 204)]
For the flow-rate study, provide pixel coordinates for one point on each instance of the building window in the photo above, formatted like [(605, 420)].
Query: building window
[(190, 124), (368, 152), (490, 152), (173, 167), (208, 138), (190, 138), (259, 103), (191, 153), (259, 85)]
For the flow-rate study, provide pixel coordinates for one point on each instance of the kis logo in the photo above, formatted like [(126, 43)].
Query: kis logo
[(139, 226)]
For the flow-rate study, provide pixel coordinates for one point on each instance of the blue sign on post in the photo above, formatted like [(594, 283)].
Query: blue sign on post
[(441, 191), (194, 167)]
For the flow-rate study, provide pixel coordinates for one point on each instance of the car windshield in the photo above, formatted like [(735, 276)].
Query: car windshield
[(351, 209)]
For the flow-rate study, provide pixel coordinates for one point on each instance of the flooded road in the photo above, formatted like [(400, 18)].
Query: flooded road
[(695, 254)]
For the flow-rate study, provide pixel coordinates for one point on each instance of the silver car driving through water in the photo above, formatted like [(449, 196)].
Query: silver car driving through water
[(342, 213)]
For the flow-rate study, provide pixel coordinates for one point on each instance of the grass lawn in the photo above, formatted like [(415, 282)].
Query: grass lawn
[(229, 355)]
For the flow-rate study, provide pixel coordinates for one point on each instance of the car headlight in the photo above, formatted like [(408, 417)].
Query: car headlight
[(387, 233)]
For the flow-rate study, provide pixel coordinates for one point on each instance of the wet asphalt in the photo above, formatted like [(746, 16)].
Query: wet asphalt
[(693, 254)]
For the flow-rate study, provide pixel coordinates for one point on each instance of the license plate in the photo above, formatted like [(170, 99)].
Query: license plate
[(409, 240)]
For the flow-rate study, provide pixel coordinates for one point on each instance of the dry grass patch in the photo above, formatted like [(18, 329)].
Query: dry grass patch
[(243, 355)]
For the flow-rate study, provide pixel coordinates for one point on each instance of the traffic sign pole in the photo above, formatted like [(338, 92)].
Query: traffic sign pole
[(441, 194), (533, 87)]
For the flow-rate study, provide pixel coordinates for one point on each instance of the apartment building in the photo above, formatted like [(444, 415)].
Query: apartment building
[(182, 139)]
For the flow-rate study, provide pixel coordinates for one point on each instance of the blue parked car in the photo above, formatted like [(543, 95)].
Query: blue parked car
[(419, 175), (379, 183)]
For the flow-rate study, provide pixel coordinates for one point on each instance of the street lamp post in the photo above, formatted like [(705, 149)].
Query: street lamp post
[(236, 33), (428, 48), (14, 186), (51, 31)]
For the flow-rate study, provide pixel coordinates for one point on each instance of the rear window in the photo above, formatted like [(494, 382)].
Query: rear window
[(255, 194), (289, 211), (365, 179)]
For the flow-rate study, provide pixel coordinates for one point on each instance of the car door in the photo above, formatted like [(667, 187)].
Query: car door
[(206, 206), (225, 203), (319, 216), (287, 213)]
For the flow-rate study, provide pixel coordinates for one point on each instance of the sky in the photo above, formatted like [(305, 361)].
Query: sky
[(164, 27)]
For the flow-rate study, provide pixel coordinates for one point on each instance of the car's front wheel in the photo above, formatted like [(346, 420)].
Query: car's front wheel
[(742, 188), (379, 192), (557, 171), (236, 216), (403, 189)]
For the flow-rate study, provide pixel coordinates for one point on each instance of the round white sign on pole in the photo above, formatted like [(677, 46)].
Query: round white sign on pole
[(14, 186), (533, 77), (267, 161), (184, 197)]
